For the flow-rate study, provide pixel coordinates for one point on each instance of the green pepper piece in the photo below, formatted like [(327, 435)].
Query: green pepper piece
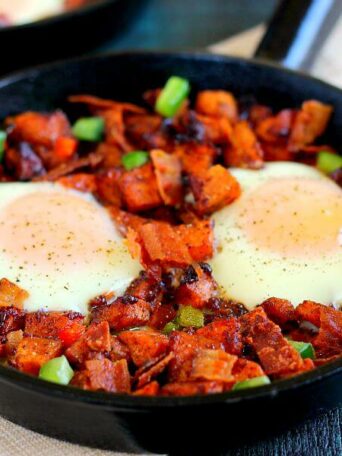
[(169, 327), (134, 159), (57, 370), (190, 316), (3, 137), (328, 162), (305, 349), (89, 129), (252, 383), (172, 96)]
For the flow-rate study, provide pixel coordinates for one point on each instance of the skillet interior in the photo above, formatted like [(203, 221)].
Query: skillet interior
[(210, 423)]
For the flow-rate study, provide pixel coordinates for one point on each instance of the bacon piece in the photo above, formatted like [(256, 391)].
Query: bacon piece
[(33, 352), (115, 129), (277, 357), (13, 340), (151, 389), (280, 311), (328, 341), (311, 121), (144, 345), (139, 189), (195, 158), (199, 238), (96, 340), (167, 168), (245, 150), (147, 288), (111, 155), (213, 365), (154, 368), (209, 196), (118, 350), (11, 319), (11, 294), (91, 161), (226, 332), (96, 104), (185, 347), (55, 325), (82, 182), (163, 244), (104, 375), (125, 312), (257, 113), (196, 290), (217, 103), (125, 220), (191, 388)]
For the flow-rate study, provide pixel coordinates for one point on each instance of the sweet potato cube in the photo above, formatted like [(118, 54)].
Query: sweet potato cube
[(11, 294), (33, 352), (280, 311), (214, 189), (198, 290), (123, 313), (139, 189), (245, 150), (191, 388), (144, 345), (227, 332), (213, 365), (199, 238), (217, 103), (168, 171)]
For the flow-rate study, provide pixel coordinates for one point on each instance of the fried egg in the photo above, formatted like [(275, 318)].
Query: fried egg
[(282, 237), (61, 246), (24, 11)]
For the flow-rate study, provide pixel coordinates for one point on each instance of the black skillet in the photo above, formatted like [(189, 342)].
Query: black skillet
[(64, 35), (189, 425)]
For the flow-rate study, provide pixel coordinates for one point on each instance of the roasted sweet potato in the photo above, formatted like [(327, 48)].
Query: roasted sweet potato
[(11, 319), (66, 326), (276, 128), (214, 189), (146, 132), (13, 340), (125, 312), (244, 369), (217, 103), (96, 340), (199, 239), (226, 332), (107, 186), (147, 288), (167, 168), (309, 124), (81, 181), (11, 294), (280, 311), (195, 157), (33, 352), (191, 388), (151, 389), (197, 287), (144, 345), (244, 150), (139, 189)]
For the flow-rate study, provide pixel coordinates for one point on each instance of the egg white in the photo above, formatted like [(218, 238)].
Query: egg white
[(24, 11), (61, 246), (249, 273)]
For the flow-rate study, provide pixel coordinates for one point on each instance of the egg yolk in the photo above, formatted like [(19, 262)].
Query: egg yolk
[(293, 217)]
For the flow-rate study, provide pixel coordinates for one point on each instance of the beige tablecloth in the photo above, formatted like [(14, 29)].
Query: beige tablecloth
[(16, 441)]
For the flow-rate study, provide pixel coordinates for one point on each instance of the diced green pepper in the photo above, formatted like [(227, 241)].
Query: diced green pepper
[(252, 383), (172, 96), (57, 370), (3, 137), (169, 327), (190, 316), (328, 162), (305, 349), (89, 129), (134, 159)]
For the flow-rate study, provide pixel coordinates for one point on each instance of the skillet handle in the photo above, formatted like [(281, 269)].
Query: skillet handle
[(297, 30)]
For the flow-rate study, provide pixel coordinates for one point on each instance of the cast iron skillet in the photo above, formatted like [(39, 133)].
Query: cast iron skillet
[(64, 35), (194, 425)]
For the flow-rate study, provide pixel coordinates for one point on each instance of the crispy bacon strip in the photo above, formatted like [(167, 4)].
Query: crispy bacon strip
[(96, 103), (167, 168)]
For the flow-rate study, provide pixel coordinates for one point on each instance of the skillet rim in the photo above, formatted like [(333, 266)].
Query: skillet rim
[(145, 403), (57, 18)]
